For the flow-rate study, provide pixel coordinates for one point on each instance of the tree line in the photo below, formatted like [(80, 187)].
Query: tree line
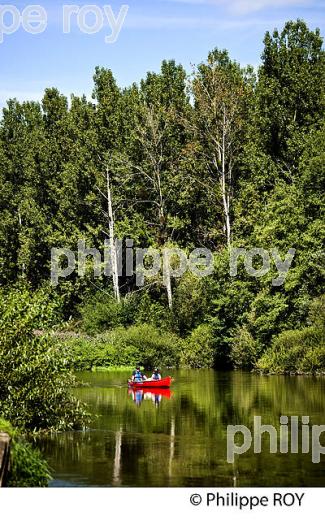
[(224, 157)]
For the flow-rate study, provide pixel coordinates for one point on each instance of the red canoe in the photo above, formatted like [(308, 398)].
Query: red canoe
[(163, 383)]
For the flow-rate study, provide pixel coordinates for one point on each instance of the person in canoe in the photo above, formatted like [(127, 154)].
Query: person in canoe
[(138, 376), (156, 376)]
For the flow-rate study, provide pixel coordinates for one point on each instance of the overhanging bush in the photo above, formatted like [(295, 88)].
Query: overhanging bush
[(35, 381)]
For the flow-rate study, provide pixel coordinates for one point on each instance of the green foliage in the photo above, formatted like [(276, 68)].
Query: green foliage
[(86, 353), (223, 157), (153, 310), (6, 427), (198, 350), (245, 350), (103, 312), (27, 466), (301, 351), (268, 315), (230, 300), (190, 303), (139, 344), (34, 380), (317, 312), (154, 348), (290, 90)]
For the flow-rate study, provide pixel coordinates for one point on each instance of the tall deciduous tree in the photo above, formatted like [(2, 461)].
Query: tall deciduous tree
[(290, 91), (221, 92), (159, 135)]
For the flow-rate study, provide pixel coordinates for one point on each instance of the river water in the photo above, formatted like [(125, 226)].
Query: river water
[(179, 438)]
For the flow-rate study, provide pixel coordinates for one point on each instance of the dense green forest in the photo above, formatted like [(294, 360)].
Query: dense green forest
[(220, 158)]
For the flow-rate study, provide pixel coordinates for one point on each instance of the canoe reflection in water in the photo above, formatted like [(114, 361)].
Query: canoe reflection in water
[(154, 394)]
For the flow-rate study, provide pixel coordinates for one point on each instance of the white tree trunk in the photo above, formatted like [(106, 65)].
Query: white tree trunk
[(226, 213), (225, 196), (169, 293), (167, 277), (167, 280), (112, 239)]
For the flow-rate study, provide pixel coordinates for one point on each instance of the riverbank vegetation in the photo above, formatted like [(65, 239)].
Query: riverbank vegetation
[(299, 351), (125, 347), (35, 384), (27, 466), (34, 380), (225, 157)]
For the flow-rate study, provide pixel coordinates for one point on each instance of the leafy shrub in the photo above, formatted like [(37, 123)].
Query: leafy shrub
[(230, 300), (268, 315), (314, 360), (299, 350), (88, 353), (143, 344), (295, 351), (43, 307), (198, 350), (317, 312), (189, 302), (153, 346), (153, 312), (244, 349), (103, 312), (34, 380), (27, 466)]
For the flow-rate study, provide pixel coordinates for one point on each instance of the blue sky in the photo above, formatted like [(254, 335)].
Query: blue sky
[(184, 30)]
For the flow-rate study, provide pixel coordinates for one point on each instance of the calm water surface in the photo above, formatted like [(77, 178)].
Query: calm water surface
[(179, 438)]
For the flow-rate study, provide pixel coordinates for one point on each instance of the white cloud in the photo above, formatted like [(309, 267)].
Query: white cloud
[(241, 7)]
